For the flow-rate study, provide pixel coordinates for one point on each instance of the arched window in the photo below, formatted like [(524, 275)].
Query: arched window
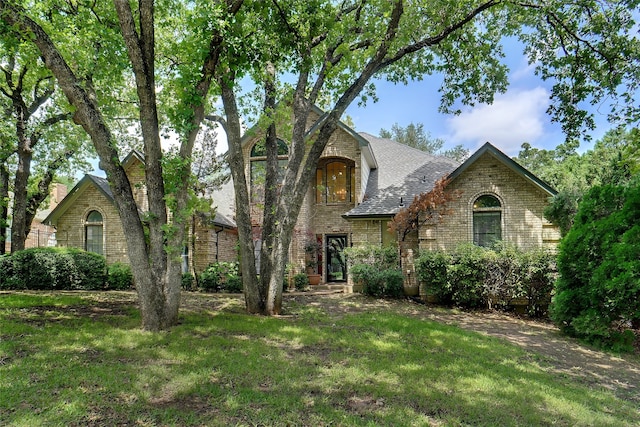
[(93, 233), (335, 182), (259, 166), (487, 220)]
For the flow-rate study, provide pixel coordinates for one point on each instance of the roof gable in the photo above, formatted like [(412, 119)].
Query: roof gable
[(488, 148), (403, 173), (80, 188)]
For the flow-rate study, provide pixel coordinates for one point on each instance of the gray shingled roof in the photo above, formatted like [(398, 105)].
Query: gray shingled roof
[(403, 172), (221, 219), (224, 200)]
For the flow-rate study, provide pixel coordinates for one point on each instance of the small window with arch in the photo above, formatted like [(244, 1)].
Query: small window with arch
[(93, 237), (487, 220)]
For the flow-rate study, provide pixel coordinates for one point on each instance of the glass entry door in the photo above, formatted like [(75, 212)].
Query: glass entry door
[(336, 259)]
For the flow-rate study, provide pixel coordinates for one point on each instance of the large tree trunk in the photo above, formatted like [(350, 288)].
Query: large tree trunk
[(89, 116), (253, 291), (19, 229), (4, 205)]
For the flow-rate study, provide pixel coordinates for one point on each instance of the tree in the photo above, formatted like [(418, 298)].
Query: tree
[(120, 40), (613, 160), (305, 53), (333, 50), (38, 117), (426, 208), (415, 136), (598, 292)]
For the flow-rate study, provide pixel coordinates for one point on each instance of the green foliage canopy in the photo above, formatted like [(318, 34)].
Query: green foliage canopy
[(598, 293)]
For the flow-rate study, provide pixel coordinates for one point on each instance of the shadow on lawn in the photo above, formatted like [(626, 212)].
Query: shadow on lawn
[(349, 361)]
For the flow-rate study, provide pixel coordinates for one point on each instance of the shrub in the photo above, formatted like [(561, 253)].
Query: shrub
[(120, 276), (55, 268), (300, 281), (385, 257), (187, 281), (393, 283), (472, 277), (210, 278), (221, 276), (467, 276), (540, 275), (91, 268), (598, 292), (7, 280), (233, 284), (378, 283), (431, 271)]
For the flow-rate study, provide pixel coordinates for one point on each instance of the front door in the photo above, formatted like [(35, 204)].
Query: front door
[(336, 259)]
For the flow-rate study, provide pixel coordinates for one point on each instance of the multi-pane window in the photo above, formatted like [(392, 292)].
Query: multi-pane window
[(335, 182), (259, 167), (93, 233), (487, 220)]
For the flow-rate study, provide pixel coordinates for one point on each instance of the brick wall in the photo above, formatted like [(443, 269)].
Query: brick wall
[(319, 218), (135, 172), (71, 226), (523, 223), (213, 244)]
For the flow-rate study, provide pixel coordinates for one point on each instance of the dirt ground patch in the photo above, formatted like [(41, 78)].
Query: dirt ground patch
[(557, 353)]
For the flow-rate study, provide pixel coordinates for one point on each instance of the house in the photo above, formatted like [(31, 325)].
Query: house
[(361, 182), (87, 218)]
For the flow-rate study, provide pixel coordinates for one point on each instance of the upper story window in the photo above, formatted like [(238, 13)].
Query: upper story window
[(93, 240), (259, 166), (335, 182), (487, 220)]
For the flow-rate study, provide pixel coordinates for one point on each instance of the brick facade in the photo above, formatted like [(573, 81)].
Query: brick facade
[(317, 219), (71, 229), (212, 243), (523, 223)]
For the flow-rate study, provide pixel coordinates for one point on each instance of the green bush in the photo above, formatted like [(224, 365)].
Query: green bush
[(378, 283), (221, 277), (385, 257), (187, 281), (91, 268), (210, 278), (432, 273), (598, 292), (233, 284), (540, 275), (7, 280), (472, 277), (54, 268), (376, 268), (120, 276), (467, 274), (300, 281)]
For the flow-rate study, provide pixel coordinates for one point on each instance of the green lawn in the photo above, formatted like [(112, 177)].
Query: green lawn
[(80, 359)]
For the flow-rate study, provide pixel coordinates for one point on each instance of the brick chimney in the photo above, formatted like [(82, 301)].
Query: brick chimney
[(57, 193)]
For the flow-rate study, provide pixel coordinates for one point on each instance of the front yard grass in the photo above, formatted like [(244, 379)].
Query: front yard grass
[(80, 359)]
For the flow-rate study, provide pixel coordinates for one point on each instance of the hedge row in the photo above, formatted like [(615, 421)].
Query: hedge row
[(476, 277), (53, 268)]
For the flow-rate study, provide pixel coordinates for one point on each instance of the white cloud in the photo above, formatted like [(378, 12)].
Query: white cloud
[(515, 117)]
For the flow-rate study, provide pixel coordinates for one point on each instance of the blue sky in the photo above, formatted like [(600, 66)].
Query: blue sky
[(517, 116)]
